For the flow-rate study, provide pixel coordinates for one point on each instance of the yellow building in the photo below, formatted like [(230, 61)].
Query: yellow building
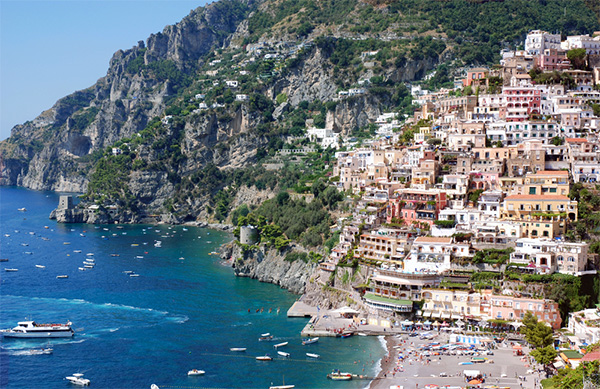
[(547, 182), (540, 215), (450, 304)]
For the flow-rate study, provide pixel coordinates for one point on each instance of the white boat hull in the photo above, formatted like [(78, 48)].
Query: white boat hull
[(54, 334)]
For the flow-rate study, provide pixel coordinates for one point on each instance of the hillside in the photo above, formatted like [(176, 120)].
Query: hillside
[(180, 121)]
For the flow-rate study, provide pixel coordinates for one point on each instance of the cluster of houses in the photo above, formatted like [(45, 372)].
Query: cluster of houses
[(483, 171)]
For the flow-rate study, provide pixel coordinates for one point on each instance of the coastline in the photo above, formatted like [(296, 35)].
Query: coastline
[(386, 364)]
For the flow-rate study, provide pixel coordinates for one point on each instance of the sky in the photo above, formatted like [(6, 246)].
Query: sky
[(49, 49)]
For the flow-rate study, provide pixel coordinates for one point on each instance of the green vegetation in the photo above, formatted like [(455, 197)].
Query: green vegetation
[(493, 256), (574, 378)]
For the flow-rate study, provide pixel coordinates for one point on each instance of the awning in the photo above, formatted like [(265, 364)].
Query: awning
[(471, 373), (436, 314), (344, 310), (446, 315), (427, 314), (455, 316)]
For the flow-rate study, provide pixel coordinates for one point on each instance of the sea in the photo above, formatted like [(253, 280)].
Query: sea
[(183, 311)]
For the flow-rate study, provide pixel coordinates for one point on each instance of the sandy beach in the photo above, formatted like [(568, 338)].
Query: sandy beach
[(417, 370)]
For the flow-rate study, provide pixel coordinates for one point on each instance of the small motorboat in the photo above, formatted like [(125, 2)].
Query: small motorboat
[(311, 355), (309, 341), (264, 358), (362, 334), (281, 344), (196, 372), (76, 251), (40, 351), (134, 275), (336, 375), (238, 349), (62, 276), (40, 266), (266, 336), (77, 379), (81, 268), (346, 334), (115, 255), (10, 269), (22, 209), (283, 354)]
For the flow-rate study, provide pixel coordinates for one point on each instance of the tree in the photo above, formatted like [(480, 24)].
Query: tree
[(578, 58), (544, 355), (557, 141), (537, 333)]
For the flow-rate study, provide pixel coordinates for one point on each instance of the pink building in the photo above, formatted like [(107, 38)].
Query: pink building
[(513, 308), (521, 102), (553, 59), (416, 205)]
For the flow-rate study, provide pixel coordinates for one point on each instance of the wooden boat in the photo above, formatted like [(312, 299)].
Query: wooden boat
[(266, 337), (283, 354), (195, 372), (311, 355), (264, 358), (346, 334), (281, 344), (238, 349), (309, 341)]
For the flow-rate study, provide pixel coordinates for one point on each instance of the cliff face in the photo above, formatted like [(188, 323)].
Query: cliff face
[(268, 265), (161, 78), (46, 153)]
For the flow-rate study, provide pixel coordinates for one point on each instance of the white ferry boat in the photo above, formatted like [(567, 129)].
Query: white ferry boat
[(31, 329)]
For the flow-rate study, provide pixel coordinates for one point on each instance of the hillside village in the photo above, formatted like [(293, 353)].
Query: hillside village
[(457, 220)]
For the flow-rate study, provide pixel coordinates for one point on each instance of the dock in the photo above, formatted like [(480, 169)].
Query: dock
[(300, 309)]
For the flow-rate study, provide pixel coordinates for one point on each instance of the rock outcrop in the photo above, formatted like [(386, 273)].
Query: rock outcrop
[(269, 265)]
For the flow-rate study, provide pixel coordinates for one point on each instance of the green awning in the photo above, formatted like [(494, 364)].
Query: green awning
[(380, 299)]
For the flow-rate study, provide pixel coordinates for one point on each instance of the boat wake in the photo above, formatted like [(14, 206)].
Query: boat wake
[(121, 315), (245, 324)]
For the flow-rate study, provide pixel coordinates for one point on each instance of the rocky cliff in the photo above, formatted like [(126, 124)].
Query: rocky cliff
[(318, 287), (269, 265)]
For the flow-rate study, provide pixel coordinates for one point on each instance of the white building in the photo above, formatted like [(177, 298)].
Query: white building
[(548, 256), (537, 41), (585, 325), (433, 255)]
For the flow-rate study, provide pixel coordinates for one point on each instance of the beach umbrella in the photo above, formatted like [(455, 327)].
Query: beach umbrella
[(407, 323), (460, 323), (517, 347), (474, 382), (436, 323), (445, 324), (427, 323)]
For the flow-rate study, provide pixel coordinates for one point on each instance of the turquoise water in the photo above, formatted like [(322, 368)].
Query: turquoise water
[(184, 311)]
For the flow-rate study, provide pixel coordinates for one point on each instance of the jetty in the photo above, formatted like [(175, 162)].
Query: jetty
[(300, 309)]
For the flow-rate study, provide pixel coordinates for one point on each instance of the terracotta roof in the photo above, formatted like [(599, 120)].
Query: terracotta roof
[(537, 197), (557, 172), (576, 140), (431, 239), (593, 356)]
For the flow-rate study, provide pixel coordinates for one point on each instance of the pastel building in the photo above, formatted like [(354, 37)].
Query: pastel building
[(434, 255), (413, 205), (513, 308)]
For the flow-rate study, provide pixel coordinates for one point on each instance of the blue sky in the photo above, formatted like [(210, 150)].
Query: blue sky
[(49, 49)]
